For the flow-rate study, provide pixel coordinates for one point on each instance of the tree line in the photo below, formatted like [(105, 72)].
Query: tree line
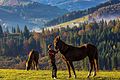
[(103, 34)]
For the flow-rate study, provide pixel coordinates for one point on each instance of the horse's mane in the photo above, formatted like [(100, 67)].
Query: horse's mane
[(70, 45), (63, 42), (30, 55), (31, 52)]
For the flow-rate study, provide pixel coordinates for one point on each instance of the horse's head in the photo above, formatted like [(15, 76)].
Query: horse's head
[(57, 43), (60, 45)]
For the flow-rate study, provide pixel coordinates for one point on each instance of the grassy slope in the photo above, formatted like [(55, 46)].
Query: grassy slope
[(85, 18), (6, 74)]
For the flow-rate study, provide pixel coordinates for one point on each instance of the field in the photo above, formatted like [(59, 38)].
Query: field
[(11, 74), (72, 22), (85, 18)]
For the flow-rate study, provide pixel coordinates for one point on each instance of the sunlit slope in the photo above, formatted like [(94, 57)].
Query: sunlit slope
[(83, 19)]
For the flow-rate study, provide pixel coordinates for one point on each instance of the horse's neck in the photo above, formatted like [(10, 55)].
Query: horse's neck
[(64, 47)]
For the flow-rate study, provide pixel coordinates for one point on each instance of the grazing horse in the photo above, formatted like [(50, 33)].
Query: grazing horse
[(71, 53), (32, 59)]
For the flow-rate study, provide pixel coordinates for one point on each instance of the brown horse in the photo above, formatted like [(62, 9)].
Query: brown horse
[(71, 53), (32, 59)]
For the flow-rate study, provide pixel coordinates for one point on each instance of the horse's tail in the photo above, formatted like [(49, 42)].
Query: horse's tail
[(96, 60)]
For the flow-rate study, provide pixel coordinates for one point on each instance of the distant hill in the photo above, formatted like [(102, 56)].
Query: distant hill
[(13, 2), (72, 5), (79, 14), (108, 12), (25, 12)]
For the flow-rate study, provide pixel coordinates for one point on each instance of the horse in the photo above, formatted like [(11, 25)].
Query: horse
[(71, 53), (32, 60)]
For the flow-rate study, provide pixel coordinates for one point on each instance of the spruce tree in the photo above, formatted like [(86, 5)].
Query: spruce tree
[(26, 32), (1, 31), (18, 29)]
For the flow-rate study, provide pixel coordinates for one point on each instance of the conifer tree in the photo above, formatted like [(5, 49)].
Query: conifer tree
[(1, 31), (26, 33)]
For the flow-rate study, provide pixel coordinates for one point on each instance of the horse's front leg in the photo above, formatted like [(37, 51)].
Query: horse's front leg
[(91, 64), (71, 64), (68, 66), (34, 64), (95, 68)]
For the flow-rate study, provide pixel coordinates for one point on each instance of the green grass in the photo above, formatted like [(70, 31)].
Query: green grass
[(11, 74)]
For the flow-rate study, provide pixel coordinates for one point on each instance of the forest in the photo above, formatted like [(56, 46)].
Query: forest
[(105, 35)]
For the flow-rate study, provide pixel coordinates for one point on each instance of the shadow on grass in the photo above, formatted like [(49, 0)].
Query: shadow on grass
[(1, 77), (98, 78), (92, 78)]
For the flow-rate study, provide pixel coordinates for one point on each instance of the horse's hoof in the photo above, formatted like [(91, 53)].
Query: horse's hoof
[(88, 76), (69, 76), (94, 75), (75, 76)]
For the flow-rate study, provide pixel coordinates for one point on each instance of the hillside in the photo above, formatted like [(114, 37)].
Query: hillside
[(109, 12), (79, 14), (28, 13), (72, 5), (71, 23)]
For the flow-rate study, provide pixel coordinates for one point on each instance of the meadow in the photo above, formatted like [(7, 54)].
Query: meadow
[(12, 74), (85, 18)]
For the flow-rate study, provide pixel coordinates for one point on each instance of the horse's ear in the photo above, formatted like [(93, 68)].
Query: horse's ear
[(58, 37)]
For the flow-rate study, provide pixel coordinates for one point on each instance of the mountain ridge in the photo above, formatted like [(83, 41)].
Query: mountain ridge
[(29, 13), (78, 14), (13, 2), (72, 5)]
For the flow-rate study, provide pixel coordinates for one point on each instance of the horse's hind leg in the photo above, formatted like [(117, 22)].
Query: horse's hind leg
[(95, 64), (91, 68), (68, 66), (95, 68), (36, 65), (71, 64)]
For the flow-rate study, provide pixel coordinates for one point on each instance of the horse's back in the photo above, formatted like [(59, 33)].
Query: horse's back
[(34, 55), (91, 48), (79, 53), (76, 53), (91, 45)]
